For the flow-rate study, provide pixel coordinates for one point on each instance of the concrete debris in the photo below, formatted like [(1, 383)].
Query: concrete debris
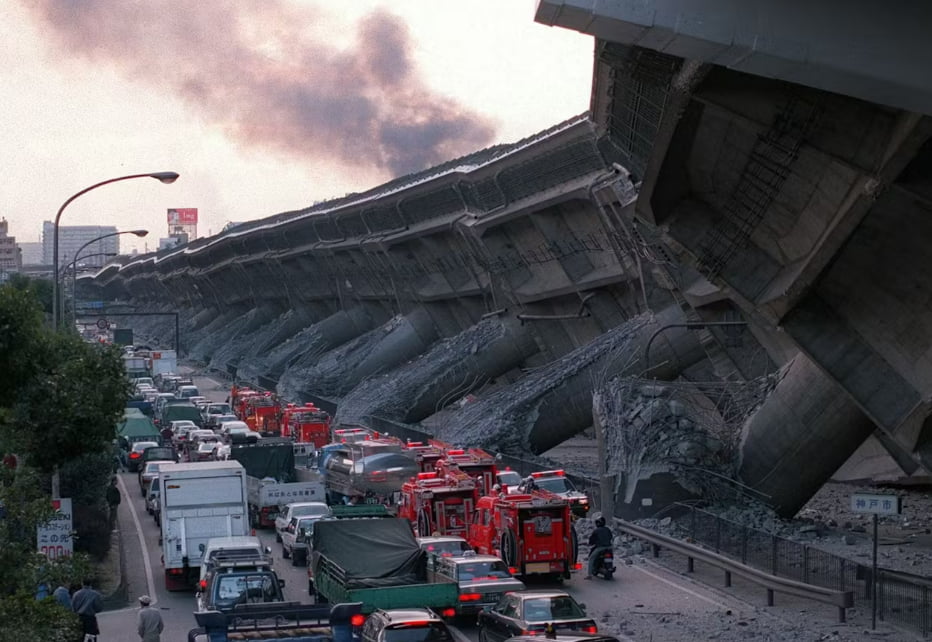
[(328, 375), (502, 420), (392, 395)]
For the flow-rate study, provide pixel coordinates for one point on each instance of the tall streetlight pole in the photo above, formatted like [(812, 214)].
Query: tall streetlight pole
[(77, 255), (164, 177)]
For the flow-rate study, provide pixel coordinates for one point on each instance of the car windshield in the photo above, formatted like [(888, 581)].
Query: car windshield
[(509, 478), (555, 484), (206, 447), (151, 469), (482, 570), (140, 446), (310, 509), (431, 632), (218, 409), (447, 548), (561, 607), (235, 589)]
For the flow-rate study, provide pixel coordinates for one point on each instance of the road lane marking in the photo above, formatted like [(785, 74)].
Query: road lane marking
[(681, 588), (150, 581)]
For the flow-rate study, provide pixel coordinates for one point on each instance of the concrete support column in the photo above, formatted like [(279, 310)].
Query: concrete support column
[(805, 430), (568, 409), (412, 336), (491, 360)]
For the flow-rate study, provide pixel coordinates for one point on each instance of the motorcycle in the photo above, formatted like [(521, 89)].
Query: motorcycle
[(605, 564)]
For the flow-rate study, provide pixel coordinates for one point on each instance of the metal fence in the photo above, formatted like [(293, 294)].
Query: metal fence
[(902, 599)]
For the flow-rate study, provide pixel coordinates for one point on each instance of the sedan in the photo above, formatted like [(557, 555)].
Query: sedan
[(530, 613), (206, 451), (296, 538), (149, 472), (134, 457)]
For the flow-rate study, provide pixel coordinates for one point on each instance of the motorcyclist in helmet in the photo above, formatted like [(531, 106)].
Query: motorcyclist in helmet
[(599, 541)]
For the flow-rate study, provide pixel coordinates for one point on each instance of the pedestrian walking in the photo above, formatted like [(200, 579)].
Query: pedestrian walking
[(149, 622), (87, 603), (113, 500), (63, 596)]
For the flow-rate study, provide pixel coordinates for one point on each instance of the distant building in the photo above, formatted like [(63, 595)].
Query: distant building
[(168, 243), (10, 257), (31, 253), (70, 240)]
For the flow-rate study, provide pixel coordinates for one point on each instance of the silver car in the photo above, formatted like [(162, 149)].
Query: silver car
[(482, 580)]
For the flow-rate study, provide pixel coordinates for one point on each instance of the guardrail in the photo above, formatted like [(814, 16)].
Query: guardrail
[(842, 600)]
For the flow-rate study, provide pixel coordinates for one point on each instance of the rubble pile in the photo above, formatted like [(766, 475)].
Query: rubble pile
[(689, 429), (328, 374), (390, 396), (502, 420)]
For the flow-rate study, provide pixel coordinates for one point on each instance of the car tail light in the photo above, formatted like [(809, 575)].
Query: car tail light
[(358, 619), (448, 613), (529, 632), (134, 455), (591, 628), (202, 584), (577, 565), (470, 597), (608, 555)]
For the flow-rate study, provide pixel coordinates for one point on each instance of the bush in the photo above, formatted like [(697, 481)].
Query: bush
[(23, 618), (92, 524)]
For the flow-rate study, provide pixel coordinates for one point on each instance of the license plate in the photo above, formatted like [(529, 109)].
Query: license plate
[(537, 567)]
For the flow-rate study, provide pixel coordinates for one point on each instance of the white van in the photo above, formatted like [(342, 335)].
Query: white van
[(245, 548)]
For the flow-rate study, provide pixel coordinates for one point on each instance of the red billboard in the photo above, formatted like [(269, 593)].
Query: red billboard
[(182, 216)]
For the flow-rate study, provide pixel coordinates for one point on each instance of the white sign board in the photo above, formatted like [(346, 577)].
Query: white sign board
[(53, 539), (876, 504)]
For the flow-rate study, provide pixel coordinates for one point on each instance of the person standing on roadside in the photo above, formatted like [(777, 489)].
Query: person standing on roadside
[(113, 500), (87, 603), (63, 596), (149, 622)]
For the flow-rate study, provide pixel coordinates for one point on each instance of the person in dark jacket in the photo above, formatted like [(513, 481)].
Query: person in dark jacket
[(113, 500), (87, 603), (600, 540)]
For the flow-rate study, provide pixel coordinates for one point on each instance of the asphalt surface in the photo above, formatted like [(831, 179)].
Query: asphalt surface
[(645, 601)]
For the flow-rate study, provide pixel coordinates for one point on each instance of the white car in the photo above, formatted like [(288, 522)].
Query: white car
[(299, 509)]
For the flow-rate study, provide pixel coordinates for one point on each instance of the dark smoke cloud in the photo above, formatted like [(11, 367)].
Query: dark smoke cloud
[(365, 106)]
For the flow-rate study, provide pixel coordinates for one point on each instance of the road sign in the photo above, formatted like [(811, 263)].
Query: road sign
[(103, 324), (876, 504), (53, 538)]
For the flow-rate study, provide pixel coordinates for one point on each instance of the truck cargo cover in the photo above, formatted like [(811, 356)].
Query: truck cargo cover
[(136, 426), (268, 458), (369, 548)]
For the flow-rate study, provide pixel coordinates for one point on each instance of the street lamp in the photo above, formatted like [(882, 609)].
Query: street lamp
[(77, 255), (163, 177)]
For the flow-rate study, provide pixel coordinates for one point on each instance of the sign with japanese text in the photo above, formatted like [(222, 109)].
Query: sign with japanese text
[(182, 216), (877, 504), (53, 539)]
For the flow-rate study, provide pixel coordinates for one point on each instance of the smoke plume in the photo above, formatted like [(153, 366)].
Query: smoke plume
[(268, 75)]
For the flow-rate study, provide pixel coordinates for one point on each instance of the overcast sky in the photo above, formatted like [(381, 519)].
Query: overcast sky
[(262, 107)]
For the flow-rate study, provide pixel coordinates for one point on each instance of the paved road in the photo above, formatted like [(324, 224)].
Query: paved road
[(642, 588)]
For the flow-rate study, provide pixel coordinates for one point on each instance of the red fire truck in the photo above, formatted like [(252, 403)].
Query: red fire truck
[(426, 456), (307, 424), (475, 462), (261, 412), (438, 505), (532, 533)]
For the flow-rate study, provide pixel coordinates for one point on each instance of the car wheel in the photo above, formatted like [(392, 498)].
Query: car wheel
[(285, 553), (483, 636), (294, 561), (278, 536)]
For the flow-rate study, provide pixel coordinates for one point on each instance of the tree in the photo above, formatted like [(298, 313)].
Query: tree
[(60, 400)]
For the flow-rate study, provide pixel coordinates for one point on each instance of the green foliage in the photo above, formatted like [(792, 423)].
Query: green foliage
[(60, 399), (23, 618), (39, 290), (67, 400)]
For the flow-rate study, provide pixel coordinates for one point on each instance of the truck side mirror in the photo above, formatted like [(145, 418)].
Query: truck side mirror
[(281, 583)]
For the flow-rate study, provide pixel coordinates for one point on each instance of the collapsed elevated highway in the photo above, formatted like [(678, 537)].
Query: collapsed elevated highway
[(525, 275)]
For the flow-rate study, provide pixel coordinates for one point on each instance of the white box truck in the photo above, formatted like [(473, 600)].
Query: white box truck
[(200, 501), (164, 362)]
